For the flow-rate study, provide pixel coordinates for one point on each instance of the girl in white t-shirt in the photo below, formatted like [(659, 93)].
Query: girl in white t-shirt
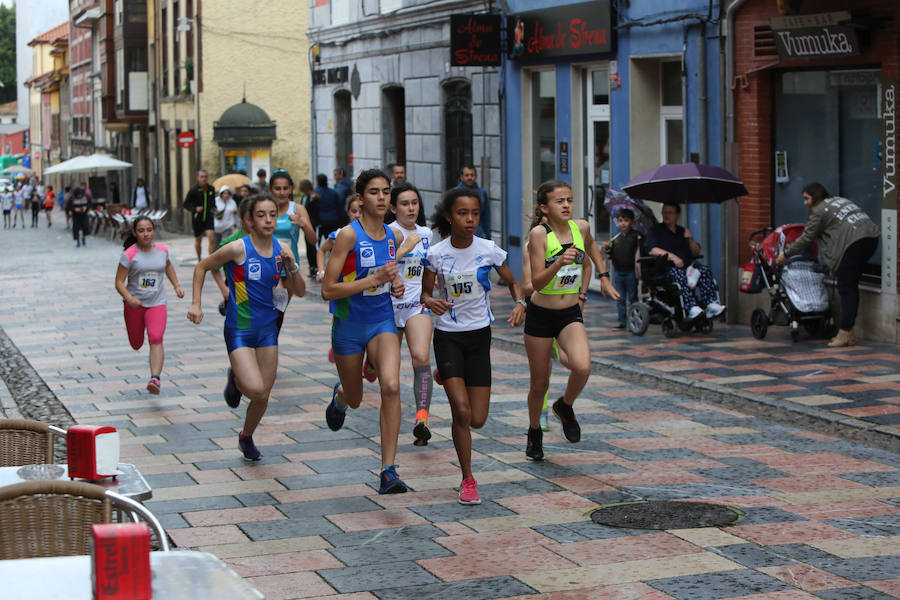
[(410, 316), (139, 280), (225, 217), (460, 265)]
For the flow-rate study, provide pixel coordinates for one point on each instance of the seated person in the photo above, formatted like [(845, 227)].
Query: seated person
[(677, 244)]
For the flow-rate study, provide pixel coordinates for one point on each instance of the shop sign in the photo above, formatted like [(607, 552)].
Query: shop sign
[(889, 185), (569, 30), (564, 157), (823, 35), (333, 75), (475, 40)]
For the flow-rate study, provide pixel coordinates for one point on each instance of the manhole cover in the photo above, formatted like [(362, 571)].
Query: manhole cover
[(665, 515)]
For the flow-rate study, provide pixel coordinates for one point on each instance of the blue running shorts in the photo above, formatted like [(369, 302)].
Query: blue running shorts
[(251, 338), (351, 337)]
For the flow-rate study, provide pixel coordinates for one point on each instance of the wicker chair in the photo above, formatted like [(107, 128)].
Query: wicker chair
[(54, 518), (27, 442)]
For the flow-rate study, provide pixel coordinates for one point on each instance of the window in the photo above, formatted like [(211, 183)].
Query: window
[(393, 125), (543, 126), (457, 129), (671, 113), (828, 124), (343, 130)]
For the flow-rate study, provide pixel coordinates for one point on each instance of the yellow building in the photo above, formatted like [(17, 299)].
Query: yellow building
[(50, 66), (242, 51)]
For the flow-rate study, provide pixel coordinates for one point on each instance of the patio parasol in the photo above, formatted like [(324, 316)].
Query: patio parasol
[(232, 180), (92, 162), (615, 201), (686, 183), (17, 169)]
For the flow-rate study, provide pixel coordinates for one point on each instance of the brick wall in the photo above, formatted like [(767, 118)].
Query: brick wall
[(753, 93)]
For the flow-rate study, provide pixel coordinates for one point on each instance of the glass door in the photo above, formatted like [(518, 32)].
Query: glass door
[(598, 171)]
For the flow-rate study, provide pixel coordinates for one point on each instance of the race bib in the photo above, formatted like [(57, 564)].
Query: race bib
[(461, 286), (384, 288), (568, 277), (412, 269), (150, 281), (280, 298)]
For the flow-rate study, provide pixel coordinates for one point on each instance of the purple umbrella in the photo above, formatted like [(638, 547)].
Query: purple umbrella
[(644, 218), (686, 183)]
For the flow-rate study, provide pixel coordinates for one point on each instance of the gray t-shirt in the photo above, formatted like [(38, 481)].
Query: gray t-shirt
[(146, 272)]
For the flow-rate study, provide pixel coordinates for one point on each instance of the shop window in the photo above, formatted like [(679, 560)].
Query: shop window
[(828, 129), (457, 130), (393, 125), (671, 113), (543, 127), (343, 130)]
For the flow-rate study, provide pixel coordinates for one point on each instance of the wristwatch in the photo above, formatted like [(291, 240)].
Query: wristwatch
[(522, 302)]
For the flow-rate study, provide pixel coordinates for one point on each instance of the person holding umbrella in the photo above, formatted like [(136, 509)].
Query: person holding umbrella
[(677, 245)]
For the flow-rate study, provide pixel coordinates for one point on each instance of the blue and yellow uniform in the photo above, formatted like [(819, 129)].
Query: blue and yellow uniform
[(250, 316), (362, 316)]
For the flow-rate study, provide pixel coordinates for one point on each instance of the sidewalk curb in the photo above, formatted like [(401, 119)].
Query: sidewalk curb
[(770, 407)]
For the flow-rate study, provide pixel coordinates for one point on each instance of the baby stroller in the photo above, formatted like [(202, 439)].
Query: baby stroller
[(663, 304), (796, 289)]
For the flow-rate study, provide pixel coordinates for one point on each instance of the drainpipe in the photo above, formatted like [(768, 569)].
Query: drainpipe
[(314, 137), (702, 113)]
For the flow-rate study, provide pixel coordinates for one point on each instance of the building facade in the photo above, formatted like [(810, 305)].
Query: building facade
[(814, 88), (385, 92), (51, 70), (594, 96)]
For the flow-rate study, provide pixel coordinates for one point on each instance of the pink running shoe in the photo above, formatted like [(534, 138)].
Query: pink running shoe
[(368, 371), (153, 385), (331, 355), (468, 491)]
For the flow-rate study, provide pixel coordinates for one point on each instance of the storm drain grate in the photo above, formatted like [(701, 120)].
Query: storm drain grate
[(665, 515)]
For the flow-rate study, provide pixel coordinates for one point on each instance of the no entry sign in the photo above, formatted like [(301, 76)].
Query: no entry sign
[(186, 139)]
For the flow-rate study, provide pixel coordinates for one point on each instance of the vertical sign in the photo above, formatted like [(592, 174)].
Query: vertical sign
[(564, 157), (889, 186)]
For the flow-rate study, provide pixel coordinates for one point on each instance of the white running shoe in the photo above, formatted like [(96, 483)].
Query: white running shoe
[(695, 312), (714, 309)]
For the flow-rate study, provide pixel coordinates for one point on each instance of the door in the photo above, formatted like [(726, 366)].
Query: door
[(598, 171)]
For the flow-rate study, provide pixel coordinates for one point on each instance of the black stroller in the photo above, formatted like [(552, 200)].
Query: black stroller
[(798, 297)]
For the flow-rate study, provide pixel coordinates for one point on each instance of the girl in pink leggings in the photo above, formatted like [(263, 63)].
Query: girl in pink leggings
[(139, 280)]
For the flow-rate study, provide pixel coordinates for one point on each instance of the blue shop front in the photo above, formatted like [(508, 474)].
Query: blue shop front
[(593, 97)]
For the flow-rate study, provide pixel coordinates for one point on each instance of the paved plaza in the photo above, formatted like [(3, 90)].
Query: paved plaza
[(821, 512)]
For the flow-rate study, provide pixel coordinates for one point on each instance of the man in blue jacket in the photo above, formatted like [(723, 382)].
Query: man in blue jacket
[(331, 207), (468, 177)]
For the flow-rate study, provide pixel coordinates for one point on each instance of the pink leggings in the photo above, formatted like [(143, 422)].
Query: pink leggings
[(137, 319)]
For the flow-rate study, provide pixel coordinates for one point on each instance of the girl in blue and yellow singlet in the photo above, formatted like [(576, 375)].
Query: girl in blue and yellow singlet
[(293, 221), (360, 277), (255, 265), (558, 251)]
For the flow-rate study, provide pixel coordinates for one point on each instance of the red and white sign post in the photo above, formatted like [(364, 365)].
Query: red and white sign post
[(186, 139)]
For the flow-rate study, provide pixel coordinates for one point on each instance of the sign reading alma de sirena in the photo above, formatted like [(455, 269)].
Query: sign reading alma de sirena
[(475, 40), (569, 30), (823, 35)]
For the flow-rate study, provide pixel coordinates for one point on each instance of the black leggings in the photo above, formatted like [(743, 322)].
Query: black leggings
[(79, 225), (848, 275)]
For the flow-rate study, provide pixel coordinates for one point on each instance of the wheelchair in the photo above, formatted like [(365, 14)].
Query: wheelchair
[(663, 303)]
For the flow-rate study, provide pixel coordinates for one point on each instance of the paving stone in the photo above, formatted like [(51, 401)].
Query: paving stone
[(191, 505), (876, 479), (301, 482), (710, 586), (281, 529), (335, 506), (339, 465), (387, 575), (853, 593), (870, 568), (752, 555), (767, 514), (412, 549), (260, 499), (455, 511), (882, 525), (162, 480), (268, 458), (396, 536)]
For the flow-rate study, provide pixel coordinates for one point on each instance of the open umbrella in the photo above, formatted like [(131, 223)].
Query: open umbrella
[(644, 218), (686, 183), (16, 169), (232, 180), (92, 162)]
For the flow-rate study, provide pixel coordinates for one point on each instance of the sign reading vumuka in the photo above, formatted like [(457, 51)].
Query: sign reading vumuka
[(475, 40), (823, 35), (568, 30), (889, 181)]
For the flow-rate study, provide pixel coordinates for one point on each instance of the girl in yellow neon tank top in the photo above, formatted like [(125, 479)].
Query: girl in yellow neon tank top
[(557, 255)]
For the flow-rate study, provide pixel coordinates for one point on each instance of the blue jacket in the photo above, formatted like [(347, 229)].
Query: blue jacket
[(331, 206), (484, 225)]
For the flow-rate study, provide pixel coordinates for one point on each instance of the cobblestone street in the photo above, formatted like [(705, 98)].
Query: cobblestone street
[(820, 512)]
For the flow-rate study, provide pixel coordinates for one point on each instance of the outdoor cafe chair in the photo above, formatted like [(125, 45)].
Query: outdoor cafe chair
[(54, 518), (25, 442)]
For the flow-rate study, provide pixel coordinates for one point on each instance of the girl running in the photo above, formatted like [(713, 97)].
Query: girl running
[(353, 209), (461, 264), (360, 277), (410, 316), (292, 217), (139, 280), (255, 265), (19, 204), (49, 201), (557, 248)]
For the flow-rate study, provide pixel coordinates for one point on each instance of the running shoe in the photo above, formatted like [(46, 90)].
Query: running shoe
[(571, 428), (436, 377), (468, 491), (421, 431), (368, 371), (331, 355), (232, 393), (535, 447), (77, 243), (334, 416), (153, 385), (222, 308), (391, 482), (248, 447)]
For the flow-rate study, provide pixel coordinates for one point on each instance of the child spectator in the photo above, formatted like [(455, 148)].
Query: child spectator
[(623, 250)]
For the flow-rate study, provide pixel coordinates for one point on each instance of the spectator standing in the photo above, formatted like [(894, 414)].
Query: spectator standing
[(140, 197), (310, 200), (200, 201), (35, 201), (468, 178), (343, 185), (80, 204), (330, 206), (260, 184), (623, 250), (398, 175), (6, 200), (226, 215), (113, 192)]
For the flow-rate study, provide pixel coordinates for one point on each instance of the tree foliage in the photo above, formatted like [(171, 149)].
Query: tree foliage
[(7, 53)]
